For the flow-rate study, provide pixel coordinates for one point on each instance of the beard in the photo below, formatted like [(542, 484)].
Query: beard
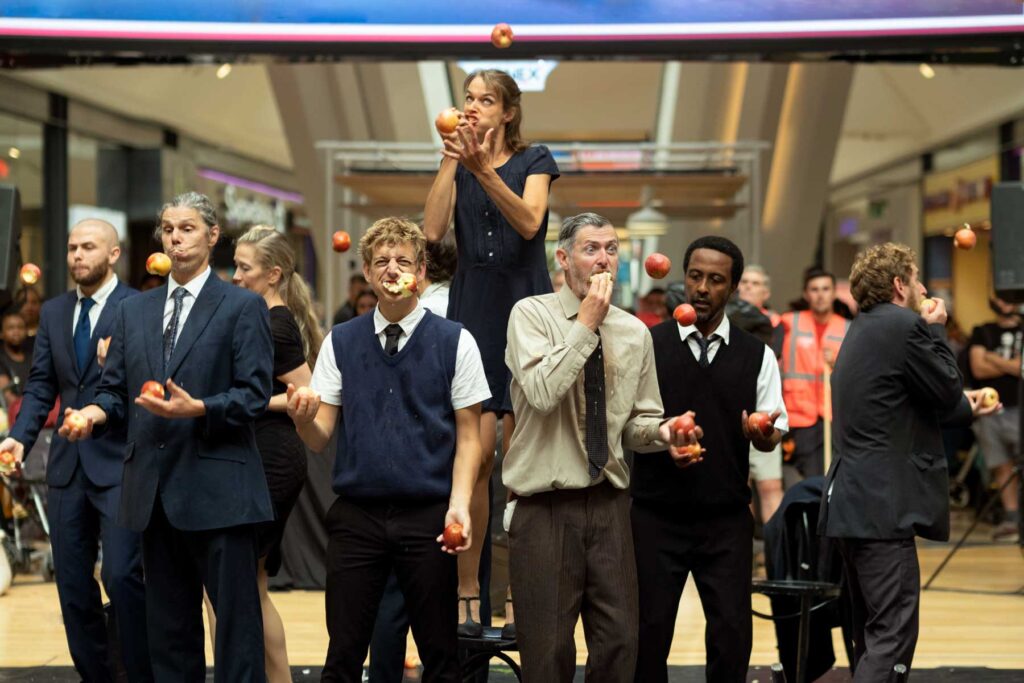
[(92, 276)]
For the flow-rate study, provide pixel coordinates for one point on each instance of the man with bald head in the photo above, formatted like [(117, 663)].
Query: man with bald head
[(84, 478)]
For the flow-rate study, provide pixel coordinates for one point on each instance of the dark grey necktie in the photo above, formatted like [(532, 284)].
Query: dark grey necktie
[(704, 361), (171, 333), (597, 419), (392, 332)]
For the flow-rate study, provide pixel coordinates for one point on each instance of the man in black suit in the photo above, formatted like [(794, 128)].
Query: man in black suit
[(895, 382), (84, 479), (193, 479)]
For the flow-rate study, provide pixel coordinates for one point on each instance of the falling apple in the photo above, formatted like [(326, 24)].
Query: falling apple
[(158, 263), (447, 121), (965, 238), (760, 422), (154, 389), (657, 265), (501, 35), (30, 273), (989, 397), (685, 314), (341, 241), (453, 536)]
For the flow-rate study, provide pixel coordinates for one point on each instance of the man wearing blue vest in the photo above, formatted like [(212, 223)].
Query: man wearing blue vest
[(408, 453)]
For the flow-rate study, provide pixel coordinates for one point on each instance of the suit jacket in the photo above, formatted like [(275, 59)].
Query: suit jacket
[(206, 470), (895, 382), (55, 372)]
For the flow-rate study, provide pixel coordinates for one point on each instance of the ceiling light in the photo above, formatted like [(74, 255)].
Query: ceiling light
[(14, 153), (223, 71), (647, 222), (927, 71)]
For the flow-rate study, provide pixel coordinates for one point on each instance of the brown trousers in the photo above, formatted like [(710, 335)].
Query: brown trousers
[(571, 555)]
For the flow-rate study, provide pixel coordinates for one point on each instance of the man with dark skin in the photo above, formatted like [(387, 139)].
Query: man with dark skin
[(697, 519)]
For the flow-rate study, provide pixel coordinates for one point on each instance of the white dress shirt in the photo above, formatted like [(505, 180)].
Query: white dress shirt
[(194, 286), (100, 296), (769, 383), (469, 385)]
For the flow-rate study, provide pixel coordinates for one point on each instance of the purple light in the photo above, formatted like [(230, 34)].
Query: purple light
[(252, 185)]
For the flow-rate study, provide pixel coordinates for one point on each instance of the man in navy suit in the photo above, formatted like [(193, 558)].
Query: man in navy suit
[(193, 479), (84, 479)]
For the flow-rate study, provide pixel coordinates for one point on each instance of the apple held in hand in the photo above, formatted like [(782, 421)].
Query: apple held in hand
[(989, 397), (30, 273), (927, 306), (453, 536), (341, 241), (75, 420), (965, 238), (447, 121), (684, 424), (760, 422), (685, 314), (657, 265), (158, 263), (154, 389), (693, 449), (501, 35), (7, 462)]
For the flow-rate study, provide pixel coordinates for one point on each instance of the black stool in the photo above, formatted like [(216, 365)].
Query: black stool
[(475, 654), (808, 592)]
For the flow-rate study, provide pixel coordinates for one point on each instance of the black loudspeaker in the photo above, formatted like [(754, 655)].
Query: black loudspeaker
[(10, 238), (1008, 241)]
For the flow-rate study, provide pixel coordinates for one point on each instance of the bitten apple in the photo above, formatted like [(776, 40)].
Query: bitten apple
[(760, 422), (158, 263), (965, 238), (691, 449), (685, 314), (154, 389), (76, 420), (341, 241), (989, 397), (447, 121), (657, 265), (30, 273), (453, 536), (927, 306), (501, 35)]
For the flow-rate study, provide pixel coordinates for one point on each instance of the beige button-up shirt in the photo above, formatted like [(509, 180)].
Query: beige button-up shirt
[(546, 352)]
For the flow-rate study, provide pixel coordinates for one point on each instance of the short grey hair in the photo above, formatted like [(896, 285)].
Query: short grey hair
[(573, 224), (189, 200), (753, 267)]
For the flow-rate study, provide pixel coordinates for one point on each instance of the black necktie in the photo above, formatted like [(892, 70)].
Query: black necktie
[(83, 332), (704, 344), (597, 420), (171, 333), (392, 332)]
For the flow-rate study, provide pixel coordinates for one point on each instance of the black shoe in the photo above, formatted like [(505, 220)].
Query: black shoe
[(469, 628), (508, 631)]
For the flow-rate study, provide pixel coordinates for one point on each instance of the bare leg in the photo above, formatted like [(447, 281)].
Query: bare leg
[(276, 653), (508, 425), (211, 617), (469, 561), (769, 491), (1000, 474)]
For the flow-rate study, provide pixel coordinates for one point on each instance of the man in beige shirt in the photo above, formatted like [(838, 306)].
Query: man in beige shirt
[(583, 386)]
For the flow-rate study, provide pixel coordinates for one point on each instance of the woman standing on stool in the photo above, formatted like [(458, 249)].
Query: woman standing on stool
[(496, 188), (265, 264)]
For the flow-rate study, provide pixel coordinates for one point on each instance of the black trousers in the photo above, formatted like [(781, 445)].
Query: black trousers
[(809, 449), (387, 647), (885, 588), (673, 542), (367, 541), (178, 564)]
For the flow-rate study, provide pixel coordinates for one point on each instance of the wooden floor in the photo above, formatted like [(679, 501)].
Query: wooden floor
[(960, 625)]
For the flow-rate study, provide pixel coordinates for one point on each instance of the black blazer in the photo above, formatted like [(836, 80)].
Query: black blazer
[(206, 470), (895, 381), (54, 373)]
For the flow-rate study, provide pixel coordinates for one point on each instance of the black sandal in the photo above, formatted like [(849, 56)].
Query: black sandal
[(470, 628), (508, 631)]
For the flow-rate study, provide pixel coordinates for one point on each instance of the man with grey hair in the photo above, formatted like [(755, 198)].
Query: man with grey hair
[(583, 386), (188, 370), (84, 479)]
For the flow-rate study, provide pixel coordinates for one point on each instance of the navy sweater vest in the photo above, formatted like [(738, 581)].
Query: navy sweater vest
[(718, 395), (396, 430)]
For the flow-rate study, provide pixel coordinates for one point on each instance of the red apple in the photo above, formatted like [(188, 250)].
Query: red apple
[(447, 121), (657, 265), (760, 422), (684, 424), (453, 537), (989, 397), (7, 461), (965, 238), (691, 449), (30, 273), (75, 420), (685, 314), (341, 241), (158, 263), (501, 35), (154, 389)]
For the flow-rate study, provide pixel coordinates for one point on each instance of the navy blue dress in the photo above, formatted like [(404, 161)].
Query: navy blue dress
[(497, 267)]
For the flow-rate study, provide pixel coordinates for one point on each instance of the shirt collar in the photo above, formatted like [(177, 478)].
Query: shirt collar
[(722, 330), (570, 302), (101, 294), (194, 286), (408, 323)]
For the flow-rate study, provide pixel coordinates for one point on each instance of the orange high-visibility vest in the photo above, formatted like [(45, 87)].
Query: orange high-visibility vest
[(803, 365)]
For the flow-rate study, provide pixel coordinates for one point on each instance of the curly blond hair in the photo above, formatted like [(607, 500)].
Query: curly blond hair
[(871, 279), (391, 231)]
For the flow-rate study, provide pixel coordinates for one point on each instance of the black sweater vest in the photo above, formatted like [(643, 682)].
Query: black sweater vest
[(718, 395)]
